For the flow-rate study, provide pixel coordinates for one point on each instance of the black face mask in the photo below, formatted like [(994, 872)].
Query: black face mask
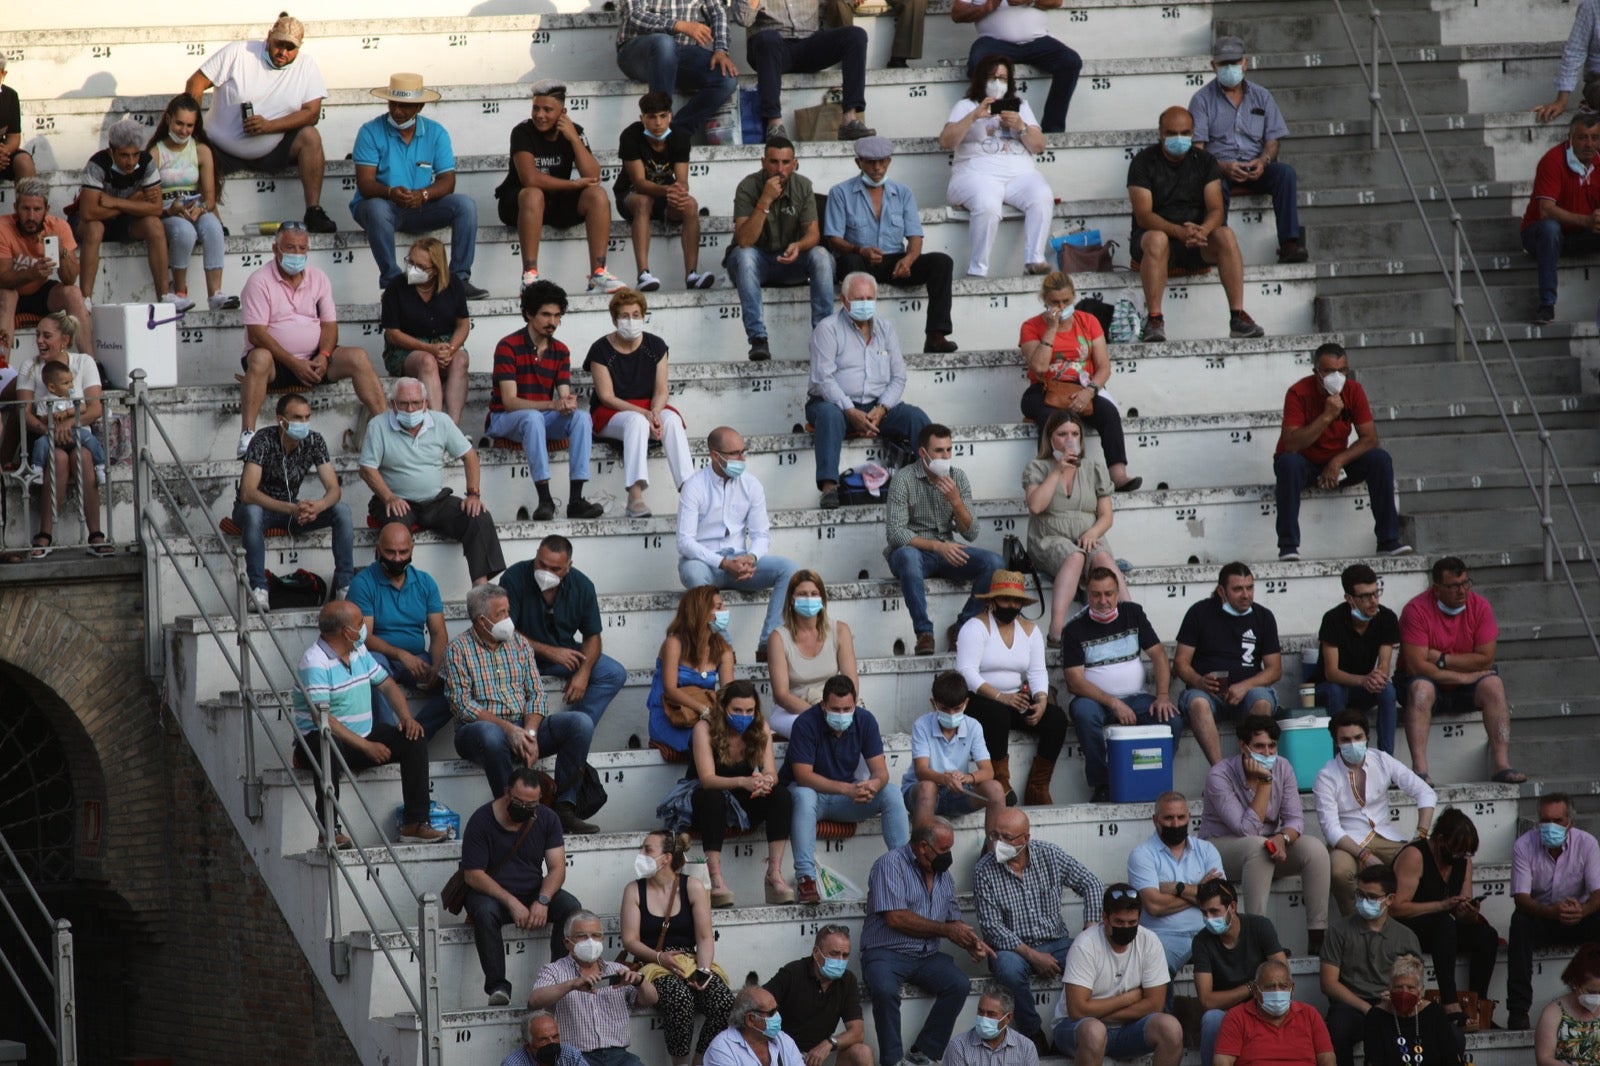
[(1122, 935), (548, 1055), (519, 813), (394, 567), (941, 862), (1005, 615), (1173, 835)]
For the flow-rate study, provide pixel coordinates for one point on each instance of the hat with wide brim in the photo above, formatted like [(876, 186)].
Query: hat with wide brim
[(1007, 585), (406, 89)]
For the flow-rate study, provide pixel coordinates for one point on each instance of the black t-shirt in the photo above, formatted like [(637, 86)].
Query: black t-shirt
[(1177, 190), (405, 310), (1258, 938), (811, 1015), (10, 112), (633, 374), (485, 841), (1358, 652), (1222, 641), (553, 155), (658, 158)]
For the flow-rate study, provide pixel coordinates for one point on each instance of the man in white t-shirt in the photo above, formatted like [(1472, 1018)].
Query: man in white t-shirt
[(264, 111), (1016, 29), (1114, 989)]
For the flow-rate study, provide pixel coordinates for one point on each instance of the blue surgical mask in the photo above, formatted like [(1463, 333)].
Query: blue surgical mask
[(1231, 609), (1218, 925), (951, 721), (658, 137), (987, 1028), (1178, 146), (407, 124), (1353, 754), (870, 183), (410, 419), (774, 1026), (733, 468), (1356, 613), (863, 310), (808, 606), (297, 430), (740, 722), (292, 264), (1275, 1001), (1266, 761), (361, 637), (1230, 74), (839, 721), (1451, 611), (1369, 908), (833, 969), (719, 620), (1552, 834)]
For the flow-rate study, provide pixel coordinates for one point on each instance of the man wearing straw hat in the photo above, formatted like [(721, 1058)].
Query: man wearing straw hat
[(406, 181)]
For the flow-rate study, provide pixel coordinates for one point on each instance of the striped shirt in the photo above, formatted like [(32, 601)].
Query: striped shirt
[(1025, 908), (589, 1021), (659, 16), (896, 883), (347, 690), (570, 1056), (487, 680), (917, 509), (537, 374)]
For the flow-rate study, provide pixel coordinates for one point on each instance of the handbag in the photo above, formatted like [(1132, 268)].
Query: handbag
[(634, 964), (822, 122), (1017, 558), (301, 590), (1083, 251), (454, 896), (591, 793)]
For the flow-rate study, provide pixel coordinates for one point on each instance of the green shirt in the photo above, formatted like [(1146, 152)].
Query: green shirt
[(413, 467), (789, 215), (1365, 957)]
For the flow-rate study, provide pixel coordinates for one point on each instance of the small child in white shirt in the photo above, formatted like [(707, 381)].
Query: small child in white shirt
[(61, 406)]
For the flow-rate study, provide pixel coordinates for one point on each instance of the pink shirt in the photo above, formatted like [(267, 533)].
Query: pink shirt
[(293, 314), (1423, 624)]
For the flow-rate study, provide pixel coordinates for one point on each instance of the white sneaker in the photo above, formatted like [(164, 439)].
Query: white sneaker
[(100, 475), (648, 282), (499, 998), (245, 437), (530, 276), (261, 601), (30, 475), (178, 300), (223, 301), (1403, 549), (603, 280), (697, 280)]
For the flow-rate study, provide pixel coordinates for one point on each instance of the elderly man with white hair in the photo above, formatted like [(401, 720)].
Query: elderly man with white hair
[(120, 200), (858, 380), (32, 281), (754, 1034), (541, 1045), (402, 462), (492, 682)]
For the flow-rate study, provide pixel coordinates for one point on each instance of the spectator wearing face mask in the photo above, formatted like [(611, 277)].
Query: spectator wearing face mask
[(1555, 888), (993, 1040), (1271, 1028), (950, 771), (591, 997), (1315, 450), (1358, 957), (808, 650)]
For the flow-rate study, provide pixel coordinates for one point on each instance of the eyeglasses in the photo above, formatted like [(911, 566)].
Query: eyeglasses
[(763, 1013), (1364, 596), (740, 454), (1464, 585), (1372, 899)]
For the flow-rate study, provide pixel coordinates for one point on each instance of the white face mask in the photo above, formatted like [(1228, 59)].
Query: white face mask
[(175, 139), (1589, 1000), (1004, 852), (415, 275), (644, 865), (1333, 383), (995, 88), (938, 467), (503, 630), (587, 950), (630, 329), (545, 580)]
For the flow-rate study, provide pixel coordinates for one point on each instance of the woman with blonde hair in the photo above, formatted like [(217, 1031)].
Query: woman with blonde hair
[(695, 660), (425, 325), (805, 651)]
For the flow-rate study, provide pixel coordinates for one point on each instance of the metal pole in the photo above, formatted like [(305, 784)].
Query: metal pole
[(1456, 302), (338, 954), (66, 1005), (1546, 523), (142, 495), (1374, 94), (252, 776), (105, 490), (428, 978)]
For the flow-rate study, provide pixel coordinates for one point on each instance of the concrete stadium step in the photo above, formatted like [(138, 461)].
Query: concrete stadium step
[(1266, 27), (1483, 531)]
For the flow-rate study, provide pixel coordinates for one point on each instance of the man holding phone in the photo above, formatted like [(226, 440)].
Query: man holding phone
[(591, 997), (38, 264)]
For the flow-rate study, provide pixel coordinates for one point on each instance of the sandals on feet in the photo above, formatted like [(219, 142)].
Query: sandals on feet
[(40, 551), (1509, 776), (98, 546)]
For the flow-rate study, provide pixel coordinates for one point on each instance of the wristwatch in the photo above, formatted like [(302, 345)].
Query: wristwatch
[(833, 1042), (1178, 891), (544, 901), (1439, 662)]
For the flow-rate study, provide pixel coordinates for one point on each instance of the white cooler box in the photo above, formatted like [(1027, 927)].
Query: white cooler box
[(129, 337)]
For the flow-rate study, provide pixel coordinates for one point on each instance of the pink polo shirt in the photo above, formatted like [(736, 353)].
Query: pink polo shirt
[(293, 314)]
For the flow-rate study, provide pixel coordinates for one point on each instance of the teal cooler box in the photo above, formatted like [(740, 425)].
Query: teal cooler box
[(1308, 746), (1139, 759)]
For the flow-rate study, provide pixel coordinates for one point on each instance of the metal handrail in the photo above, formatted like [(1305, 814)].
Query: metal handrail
[(18, 468), (150, 484), (58, 971), (1549, 462)]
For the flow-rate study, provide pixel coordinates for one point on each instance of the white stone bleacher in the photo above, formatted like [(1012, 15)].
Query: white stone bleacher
[(1143, 50)]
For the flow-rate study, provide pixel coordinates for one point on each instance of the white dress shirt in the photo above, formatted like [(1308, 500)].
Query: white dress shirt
[(1339, 813), (719, 516)]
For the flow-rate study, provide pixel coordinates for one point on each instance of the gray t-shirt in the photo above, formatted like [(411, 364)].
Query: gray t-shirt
[(1365, 957)]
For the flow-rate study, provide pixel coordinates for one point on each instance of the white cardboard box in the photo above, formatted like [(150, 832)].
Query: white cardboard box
[(129, 337)]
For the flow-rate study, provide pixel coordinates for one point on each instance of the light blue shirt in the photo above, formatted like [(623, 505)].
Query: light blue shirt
[(1149, 864), (961, 752), (730, 1048), (413, 467), (850, 216), (410, 166), (719, 517), (847, 368), (347, 690), (1236, 134)]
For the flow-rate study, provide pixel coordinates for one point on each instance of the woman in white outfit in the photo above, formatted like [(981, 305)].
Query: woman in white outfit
[(995, 137), (629, 402)]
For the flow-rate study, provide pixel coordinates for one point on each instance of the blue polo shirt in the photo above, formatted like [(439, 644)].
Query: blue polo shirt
[(850, 216), (1149, 864), (410, 166), (962, 752), (399, 615), (836, 756), (1236, 134)]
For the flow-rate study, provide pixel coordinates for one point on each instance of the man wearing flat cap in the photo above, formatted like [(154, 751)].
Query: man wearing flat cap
[(265, 110), (872, 226), (406, 181), (1239, 123)]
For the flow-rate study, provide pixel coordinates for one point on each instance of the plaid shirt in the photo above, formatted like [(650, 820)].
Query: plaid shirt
[(658, 16), (589, 1021), (1026, 909), (537, 376), (896, 883), (485, 680), (917, 509)]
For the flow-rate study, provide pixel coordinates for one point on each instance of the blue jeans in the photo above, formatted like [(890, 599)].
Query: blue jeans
[(181, 235), (771, 56), (938, 974), (381, 219), (86, 438), (1013, 971), (435, 713), (1090, 720), (605, 681), (1210, 1026), (1337, 697), (913, 566), (1221, 710), (1045, 54), (1295, 473), (902, 424), (661, 62), (751, 268), (253, 522), (772, 572), (1279, 181), (811, 807), (565, 733), (1547, 244), (532, 429)]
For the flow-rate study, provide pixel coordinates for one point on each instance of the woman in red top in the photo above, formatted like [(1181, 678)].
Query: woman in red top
[(1069, 345)]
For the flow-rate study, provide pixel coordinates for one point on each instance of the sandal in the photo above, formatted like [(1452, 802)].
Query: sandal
[(100, 548), (40, 551), (1509, 776)]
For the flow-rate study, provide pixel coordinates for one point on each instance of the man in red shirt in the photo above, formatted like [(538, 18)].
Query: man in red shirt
[(1447, 643), (1314, 447), (1563, 215), (1270, 1028)]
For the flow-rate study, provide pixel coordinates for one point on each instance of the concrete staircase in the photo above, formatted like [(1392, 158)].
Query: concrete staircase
[(1201, 413)]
